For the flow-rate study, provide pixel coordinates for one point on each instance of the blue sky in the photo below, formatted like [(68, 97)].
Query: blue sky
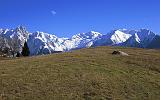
[(67, 17)]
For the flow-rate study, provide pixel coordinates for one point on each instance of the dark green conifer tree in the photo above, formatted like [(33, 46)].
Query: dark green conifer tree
[(25, 50)]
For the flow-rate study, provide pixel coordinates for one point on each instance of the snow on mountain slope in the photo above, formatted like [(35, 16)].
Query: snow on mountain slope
[(133, 41), (131, 38), (119, 37), (43, 43), (81, 40), (141, 38), (15, 36), (112, 38)]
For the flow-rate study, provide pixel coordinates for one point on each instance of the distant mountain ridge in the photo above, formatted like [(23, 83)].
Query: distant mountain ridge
[(44, 43)]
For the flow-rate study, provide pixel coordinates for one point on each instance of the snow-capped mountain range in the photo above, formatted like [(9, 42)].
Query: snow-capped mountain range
[(44, 43)]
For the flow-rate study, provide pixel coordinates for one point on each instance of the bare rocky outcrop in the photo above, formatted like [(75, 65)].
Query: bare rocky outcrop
[(119, 53)]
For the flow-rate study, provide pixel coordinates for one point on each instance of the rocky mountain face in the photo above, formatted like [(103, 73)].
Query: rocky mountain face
[(13, 39), (44, 43)]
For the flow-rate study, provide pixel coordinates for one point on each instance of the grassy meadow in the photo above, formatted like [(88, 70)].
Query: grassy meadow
[(85, 74)]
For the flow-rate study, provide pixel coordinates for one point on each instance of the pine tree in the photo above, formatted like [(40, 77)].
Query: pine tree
[(18, 54), (25, 50)]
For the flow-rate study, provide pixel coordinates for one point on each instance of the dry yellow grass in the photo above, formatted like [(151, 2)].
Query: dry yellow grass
[(87, 74)]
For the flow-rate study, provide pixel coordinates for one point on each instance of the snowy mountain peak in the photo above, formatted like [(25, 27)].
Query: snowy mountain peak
[(20, 28), (145, 35), (88, 35), (119, 37), (43, 36), (140, 38), (44, 43), (146, 32), (95, 34), (123, 29)]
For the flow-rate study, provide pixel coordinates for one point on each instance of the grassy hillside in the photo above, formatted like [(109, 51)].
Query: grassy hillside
[(83, 74)]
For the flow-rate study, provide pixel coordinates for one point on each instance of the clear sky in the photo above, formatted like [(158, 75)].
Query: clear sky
[(67, 17)]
